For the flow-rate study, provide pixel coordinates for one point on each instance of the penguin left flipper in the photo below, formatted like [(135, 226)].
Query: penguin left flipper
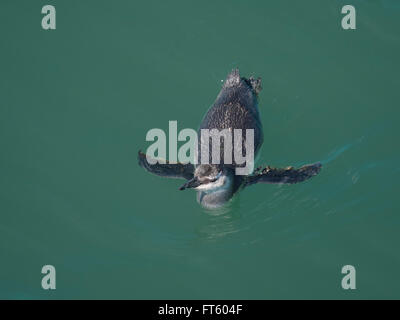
[(285, 175), (167, 169)]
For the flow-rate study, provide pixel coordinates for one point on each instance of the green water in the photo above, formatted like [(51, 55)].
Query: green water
[(76, 104)]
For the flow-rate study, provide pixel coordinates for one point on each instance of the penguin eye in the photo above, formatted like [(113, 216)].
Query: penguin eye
[(205, 170), (217, 177)]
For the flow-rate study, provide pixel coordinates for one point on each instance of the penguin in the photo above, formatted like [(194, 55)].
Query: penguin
[(236, 107)]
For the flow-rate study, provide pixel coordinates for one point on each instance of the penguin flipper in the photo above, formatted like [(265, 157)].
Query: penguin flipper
[(167, 169), (285, 175)]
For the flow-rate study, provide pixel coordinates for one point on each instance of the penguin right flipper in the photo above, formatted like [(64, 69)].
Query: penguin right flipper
[(167, 169), (288, 175)]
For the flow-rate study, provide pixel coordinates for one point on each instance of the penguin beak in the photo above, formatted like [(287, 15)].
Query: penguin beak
[(192, 183)]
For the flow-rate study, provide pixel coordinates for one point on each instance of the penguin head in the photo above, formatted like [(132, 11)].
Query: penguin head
[(209, 177)]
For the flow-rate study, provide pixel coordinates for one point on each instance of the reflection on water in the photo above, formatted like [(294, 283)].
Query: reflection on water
[(340, 150), (220, 222), (242, 214)]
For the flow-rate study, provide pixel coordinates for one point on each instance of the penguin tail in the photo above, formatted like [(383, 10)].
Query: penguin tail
[(233, 79)]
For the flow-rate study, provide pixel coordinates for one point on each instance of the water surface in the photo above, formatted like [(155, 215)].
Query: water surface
[(77, 102)]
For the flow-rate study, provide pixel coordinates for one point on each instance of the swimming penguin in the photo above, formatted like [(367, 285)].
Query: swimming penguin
[(236, 107)]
